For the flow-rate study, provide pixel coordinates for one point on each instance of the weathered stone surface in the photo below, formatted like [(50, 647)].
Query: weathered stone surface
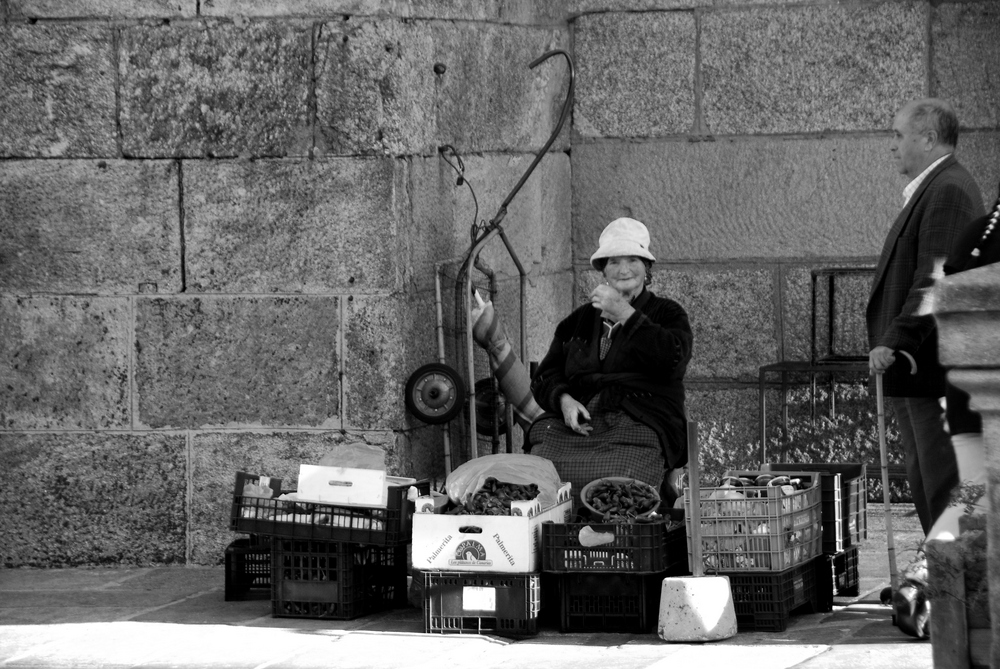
[(789, 70), (93, 499), (229, 361), (537, 223), (304, 226), (216, 89), (577, 7), (847, 287), (58, 85), (64, 362), (636, 74), (488, 99), (89, 226), (965, 67), (373, 355), (102, 9), (505, 11), (217, 456), (739, 199), (728, 429), (979, 152)]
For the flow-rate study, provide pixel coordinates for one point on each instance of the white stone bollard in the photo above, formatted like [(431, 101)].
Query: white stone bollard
[(696, 608)]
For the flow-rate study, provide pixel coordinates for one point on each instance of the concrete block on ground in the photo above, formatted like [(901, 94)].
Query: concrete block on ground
[(216, 89), (64, 361), (217, 456), (766, 198), (82, 226), (786, 69), (86, 499), (696, 609), (294, 226), (636, 74), (59, 90), (102, 9), (966, 62), (237, 361)]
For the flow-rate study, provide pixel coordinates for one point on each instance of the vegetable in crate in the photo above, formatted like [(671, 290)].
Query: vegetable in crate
[(620, 500), (494, 498)]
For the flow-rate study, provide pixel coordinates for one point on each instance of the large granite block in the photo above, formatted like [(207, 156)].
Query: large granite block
[(64, 362), (217, 456), (93, 499), (537, 222), (576, 7), (88, 226), (232, 361), (103, 9), (965, 67), (811, 68), (374, 362), (315, 226), (500, 11), (216, 89), (377, 89), (810, 295), (488, 99), (636, 74), (767, 198), (58, 83), (979, 152)]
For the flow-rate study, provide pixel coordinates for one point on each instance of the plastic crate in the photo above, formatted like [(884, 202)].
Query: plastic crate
[(637, 547), (248, 568), (337, 580), (609, 602), (313, 521), (844, 501), (759, 528), (763, 602), (481, 603), (837, 576)]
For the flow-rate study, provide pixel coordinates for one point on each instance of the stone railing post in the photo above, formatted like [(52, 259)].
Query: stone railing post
[(966, 308)]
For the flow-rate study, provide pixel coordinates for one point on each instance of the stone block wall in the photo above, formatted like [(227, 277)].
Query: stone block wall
[(219, 225), (753, 140), (220, 221)]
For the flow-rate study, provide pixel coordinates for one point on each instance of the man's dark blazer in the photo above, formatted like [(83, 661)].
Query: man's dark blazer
[(926, 230)]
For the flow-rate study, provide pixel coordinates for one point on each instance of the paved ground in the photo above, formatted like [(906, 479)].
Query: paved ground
[(177, 617)]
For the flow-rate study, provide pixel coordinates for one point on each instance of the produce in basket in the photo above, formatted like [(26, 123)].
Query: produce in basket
[(618, 499), (494, 498)]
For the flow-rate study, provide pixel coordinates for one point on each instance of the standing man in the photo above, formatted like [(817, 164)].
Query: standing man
[(939, 201)]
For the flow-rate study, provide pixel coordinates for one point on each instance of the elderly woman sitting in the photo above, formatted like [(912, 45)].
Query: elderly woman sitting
[(612, 382)]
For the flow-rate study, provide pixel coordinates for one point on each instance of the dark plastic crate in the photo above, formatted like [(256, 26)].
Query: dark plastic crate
[(845, 515), (837, 576), (248, 569), (481, 603), (389, 526), (763, 601), (335, 580), (609, 602), (637, 547)]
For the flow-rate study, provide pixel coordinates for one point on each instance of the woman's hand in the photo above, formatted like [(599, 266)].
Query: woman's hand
[(575, 415), (611, 303)]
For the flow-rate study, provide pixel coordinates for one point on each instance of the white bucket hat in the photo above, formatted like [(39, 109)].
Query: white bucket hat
[(623, 237)]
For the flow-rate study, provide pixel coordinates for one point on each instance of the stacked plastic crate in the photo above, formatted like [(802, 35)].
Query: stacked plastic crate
[(325, 560), (481, 574), (607, 576), (766, 540), (845, 526)]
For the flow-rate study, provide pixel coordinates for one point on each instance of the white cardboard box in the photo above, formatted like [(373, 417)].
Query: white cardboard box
[(346, 486), (485, 543)]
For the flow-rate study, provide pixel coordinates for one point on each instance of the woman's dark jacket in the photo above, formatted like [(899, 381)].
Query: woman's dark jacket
[(642, 374)]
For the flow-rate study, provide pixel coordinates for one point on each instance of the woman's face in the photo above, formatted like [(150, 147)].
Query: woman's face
[(625, 274)]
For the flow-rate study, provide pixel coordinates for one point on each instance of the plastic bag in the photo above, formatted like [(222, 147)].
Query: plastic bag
[(519, 468)]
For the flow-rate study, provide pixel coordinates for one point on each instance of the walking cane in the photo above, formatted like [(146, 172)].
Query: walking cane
[(893, 578)]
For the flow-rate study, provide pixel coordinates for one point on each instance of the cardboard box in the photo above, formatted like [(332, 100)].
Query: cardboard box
[(346, 486), (509, 544)]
